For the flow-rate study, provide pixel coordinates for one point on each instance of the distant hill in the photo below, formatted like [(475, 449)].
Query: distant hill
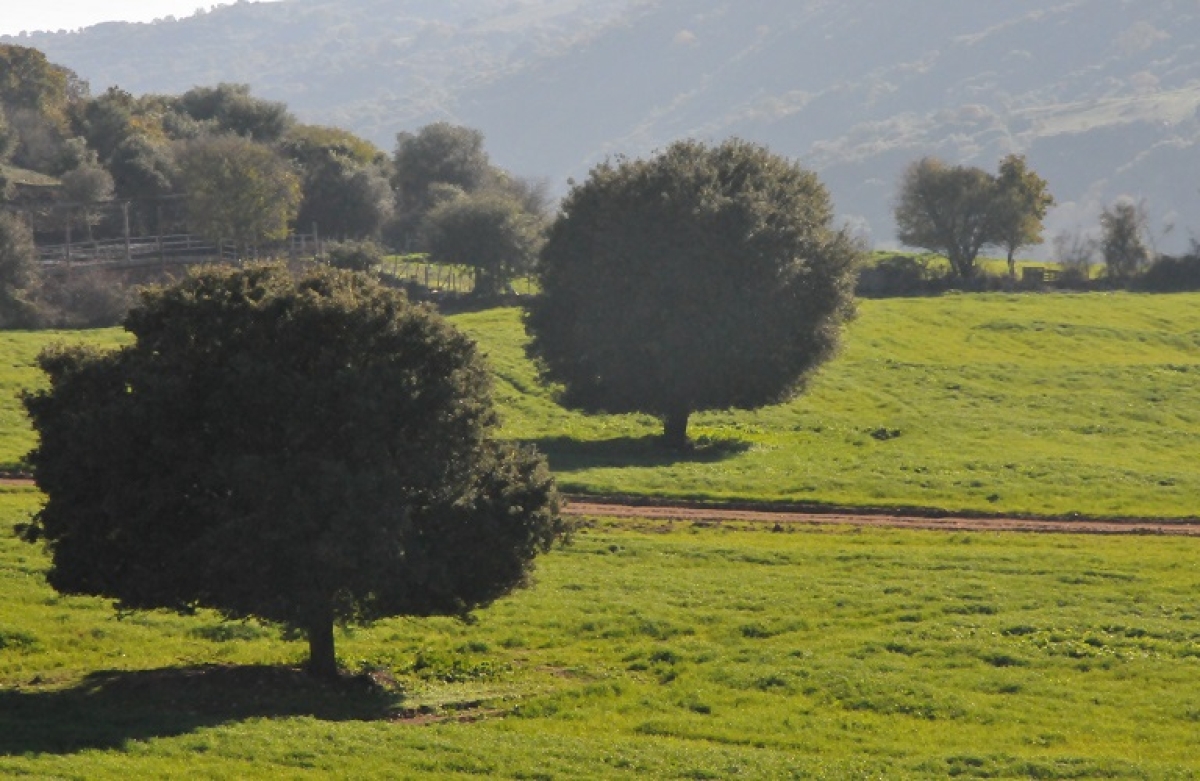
[(1102, 96)]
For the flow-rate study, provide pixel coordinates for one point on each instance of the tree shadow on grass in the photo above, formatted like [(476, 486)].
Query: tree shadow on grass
[(109, 708), (572, 455)]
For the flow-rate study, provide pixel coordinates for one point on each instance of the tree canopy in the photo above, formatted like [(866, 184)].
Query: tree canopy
[(230, 108), (703, 278), (1122, 241), (1022, 200), (237, 190), (489, 231), (440, 153), (307, 451), (947, 209)]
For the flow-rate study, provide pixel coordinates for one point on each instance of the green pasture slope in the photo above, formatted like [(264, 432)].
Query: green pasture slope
[(697, 652), (18, 372), (652, 651), (1034, 404)]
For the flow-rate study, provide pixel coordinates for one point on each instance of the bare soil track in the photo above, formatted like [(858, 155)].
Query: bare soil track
[(701, 513), (692, 512)]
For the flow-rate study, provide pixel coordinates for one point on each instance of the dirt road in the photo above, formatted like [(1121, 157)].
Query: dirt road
[(696, 513), (713, 514)]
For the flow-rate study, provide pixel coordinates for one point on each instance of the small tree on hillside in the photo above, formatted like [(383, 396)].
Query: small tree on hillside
[(1122, 242), (489, 232), (704, 278), (1022, 200), (84, 188), (947, 209), (308, 451)]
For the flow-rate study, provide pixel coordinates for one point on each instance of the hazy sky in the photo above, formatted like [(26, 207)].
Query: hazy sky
[(31, 15)]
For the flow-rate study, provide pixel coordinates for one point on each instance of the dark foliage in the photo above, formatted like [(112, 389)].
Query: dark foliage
[(354, 255), (18, 260), (898, 275), (231, 108), (1171, 274), (704, 278), (491, 232), (305, 451)]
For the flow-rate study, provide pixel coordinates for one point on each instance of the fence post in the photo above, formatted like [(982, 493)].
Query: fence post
[(125, 216), (68, 244)]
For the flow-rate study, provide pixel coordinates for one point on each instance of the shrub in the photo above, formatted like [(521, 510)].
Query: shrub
[(1171, 274), (354, 255), (87, 299)]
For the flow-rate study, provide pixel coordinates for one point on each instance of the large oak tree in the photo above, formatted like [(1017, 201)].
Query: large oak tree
[(308, 451), (707, 277)]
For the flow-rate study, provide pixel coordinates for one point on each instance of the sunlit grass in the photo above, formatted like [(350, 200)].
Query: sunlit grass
[(655, 651), (1042, 404), (19, 372)]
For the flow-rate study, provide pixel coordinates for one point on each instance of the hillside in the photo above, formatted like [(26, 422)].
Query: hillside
[(1102, 96)]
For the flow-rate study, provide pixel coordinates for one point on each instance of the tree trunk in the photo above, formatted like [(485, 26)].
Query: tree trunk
[(675, 428), (322, 661), (1012, 263)]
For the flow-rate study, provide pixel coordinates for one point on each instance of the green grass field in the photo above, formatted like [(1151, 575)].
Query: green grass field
[(1035, 404), (659, 650), (650, 651)]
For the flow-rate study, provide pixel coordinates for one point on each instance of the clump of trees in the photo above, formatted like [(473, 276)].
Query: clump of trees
[(309, 451), (703, 278), (1123, 228), (457, 206), (241, 170), (237, 190), (958, 210)]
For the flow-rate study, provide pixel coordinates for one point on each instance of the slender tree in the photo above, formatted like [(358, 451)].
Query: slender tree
[(18, 261), (1122, 241), (308, 451), (1022, 200), (703, 278)]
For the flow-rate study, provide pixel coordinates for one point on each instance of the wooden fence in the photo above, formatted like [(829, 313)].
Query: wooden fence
[(179, 249)]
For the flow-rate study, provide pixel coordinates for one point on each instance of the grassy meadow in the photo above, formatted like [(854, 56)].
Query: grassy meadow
[(1048, 404), (1045, 404), (650, 651), (700, 651)]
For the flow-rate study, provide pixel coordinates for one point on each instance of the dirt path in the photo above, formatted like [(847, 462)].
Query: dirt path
[(711, 514)]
